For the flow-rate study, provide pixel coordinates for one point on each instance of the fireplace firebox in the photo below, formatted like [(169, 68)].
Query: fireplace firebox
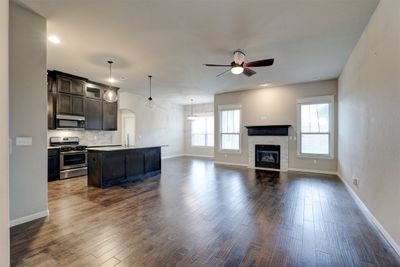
[(268, 156)]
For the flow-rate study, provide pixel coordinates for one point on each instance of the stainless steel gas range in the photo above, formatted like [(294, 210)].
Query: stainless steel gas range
[(73, 157)]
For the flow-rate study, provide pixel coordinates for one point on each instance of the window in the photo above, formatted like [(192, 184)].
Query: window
[(230, 128), (203, 131), (316, 126)]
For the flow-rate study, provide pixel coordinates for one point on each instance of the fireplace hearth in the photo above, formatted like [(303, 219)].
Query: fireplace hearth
[(268, 156)]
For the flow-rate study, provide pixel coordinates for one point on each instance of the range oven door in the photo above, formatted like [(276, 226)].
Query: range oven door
[(73, 160)]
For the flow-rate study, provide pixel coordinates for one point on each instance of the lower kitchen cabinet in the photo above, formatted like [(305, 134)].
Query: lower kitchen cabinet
[(112, 166), (53, 164)]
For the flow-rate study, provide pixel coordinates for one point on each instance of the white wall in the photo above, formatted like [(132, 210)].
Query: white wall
[(4, 203), (193, 150), (273, 106), (162, 125), (28, 114), (369, 120)]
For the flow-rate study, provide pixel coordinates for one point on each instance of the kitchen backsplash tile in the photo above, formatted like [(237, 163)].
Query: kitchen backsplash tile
[(88, 138)]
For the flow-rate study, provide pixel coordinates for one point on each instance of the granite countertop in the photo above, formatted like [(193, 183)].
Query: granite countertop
[(118, 148)]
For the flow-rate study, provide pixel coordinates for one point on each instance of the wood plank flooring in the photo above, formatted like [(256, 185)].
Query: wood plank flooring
[(201, 214)]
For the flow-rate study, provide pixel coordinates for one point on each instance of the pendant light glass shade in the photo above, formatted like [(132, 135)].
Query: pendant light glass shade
[(149, 102), (110, 95)]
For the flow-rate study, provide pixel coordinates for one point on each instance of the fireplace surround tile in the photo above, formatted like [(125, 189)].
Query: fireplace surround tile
[(282, 141)]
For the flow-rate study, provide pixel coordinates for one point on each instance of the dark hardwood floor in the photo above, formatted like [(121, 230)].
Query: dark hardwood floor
[(202, 214)]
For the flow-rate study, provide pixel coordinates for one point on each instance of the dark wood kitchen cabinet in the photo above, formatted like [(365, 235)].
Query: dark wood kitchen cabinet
[(51, 105), (70, 85), (152, 159), (110, 116), (70, 105), (93, 114), (108, 166), (68, 94), (53, 164)]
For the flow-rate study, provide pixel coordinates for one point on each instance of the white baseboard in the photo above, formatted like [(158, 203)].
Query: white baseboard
[(198, 156), (231, 164), (368, 213), (29, 218), (313, 171), (173, 156)]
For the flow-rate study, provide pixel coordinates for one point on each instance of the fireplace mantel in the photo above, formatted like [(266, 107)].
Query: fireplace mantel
[(268, 130)]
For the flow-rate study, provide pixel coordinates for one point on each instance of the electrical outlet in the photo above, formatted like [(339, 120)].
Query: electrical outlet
[(356, 181)]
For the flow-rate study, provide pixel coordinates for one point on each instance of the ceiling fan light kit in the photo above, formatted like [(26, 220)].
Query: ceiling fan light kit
[(238, 66)]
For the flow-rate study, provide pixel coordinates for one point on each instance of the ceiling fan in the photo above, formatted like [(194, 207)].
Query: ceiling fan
[(238, 66)]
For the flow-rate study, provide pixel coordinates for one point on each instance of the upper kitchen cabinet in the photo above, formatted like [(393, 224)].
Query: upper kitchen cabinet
[(70, 105), (110, 116), (51, 108), (76, 102), (93, 114), (70, 85), (93, 91)]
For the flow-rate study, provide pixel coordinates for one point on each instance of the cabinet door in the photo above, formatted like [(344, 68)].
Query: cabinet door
[(134, 162), (77, 106), (152, 159), (51, 118), (53, 166), (93, 114), (77, 87), (110, 116), (93, 92), (64, 104), (115, 167), (70, 85)]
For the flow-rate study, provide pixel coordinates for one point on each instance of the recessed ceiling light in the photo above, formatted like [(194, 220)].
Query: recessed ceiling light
[(123, 78), (112, 80), (54, 39)]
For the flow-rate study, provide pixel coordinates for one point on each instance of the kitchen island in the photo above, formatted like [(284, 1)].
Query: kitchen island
[(114, 165)]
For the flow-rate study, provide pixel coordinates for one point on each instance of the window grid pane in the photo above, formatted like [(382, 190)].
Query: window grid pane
[(230, 129), (203, 131), (315, 128)]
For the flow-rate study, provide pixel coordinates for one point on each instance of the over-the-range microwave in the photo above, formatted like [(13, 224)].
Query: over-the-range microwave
[(70, 121)]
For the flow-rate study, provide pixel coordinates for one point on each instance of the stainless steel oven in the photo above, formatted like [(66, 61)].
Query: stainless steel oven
[(73, 157), (72, 164)]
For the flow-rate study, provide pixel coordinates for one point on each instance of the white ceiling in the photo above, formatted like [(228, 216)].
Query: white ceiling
[(172, 39)]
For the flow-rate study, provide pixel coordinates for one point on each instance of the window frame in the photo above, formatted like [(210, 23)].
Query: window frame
[(204, 115), (228, 108), (330, 100)]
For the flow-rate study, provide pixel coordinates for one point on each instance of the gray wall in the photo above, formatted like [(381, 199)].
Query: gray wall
[(189, 149), (162, 125), (277, 105), (4, 206), (28, 105), (369, 121)]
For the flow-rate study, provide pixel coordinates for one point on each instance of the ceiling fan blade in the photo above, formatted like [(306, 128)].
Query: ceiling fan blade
[(223, 72), (216, 65), (260, 63), (248, 72)]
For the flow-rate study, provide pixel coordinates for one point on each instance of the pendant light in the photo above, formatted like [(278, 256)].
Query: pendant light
[(110, 95), (191, 117), (149, 102)]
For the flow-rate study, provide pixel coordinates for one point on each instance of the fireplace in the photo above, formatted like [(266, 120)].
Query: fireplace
[(268, 156)]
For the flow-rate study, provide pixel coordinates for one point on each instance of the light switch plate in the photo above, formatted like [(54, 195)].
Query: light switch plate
[(23, 141)]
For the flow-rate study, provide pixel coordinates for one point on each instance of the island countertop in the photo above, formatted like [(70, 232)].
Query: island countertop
[(117, 148)]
